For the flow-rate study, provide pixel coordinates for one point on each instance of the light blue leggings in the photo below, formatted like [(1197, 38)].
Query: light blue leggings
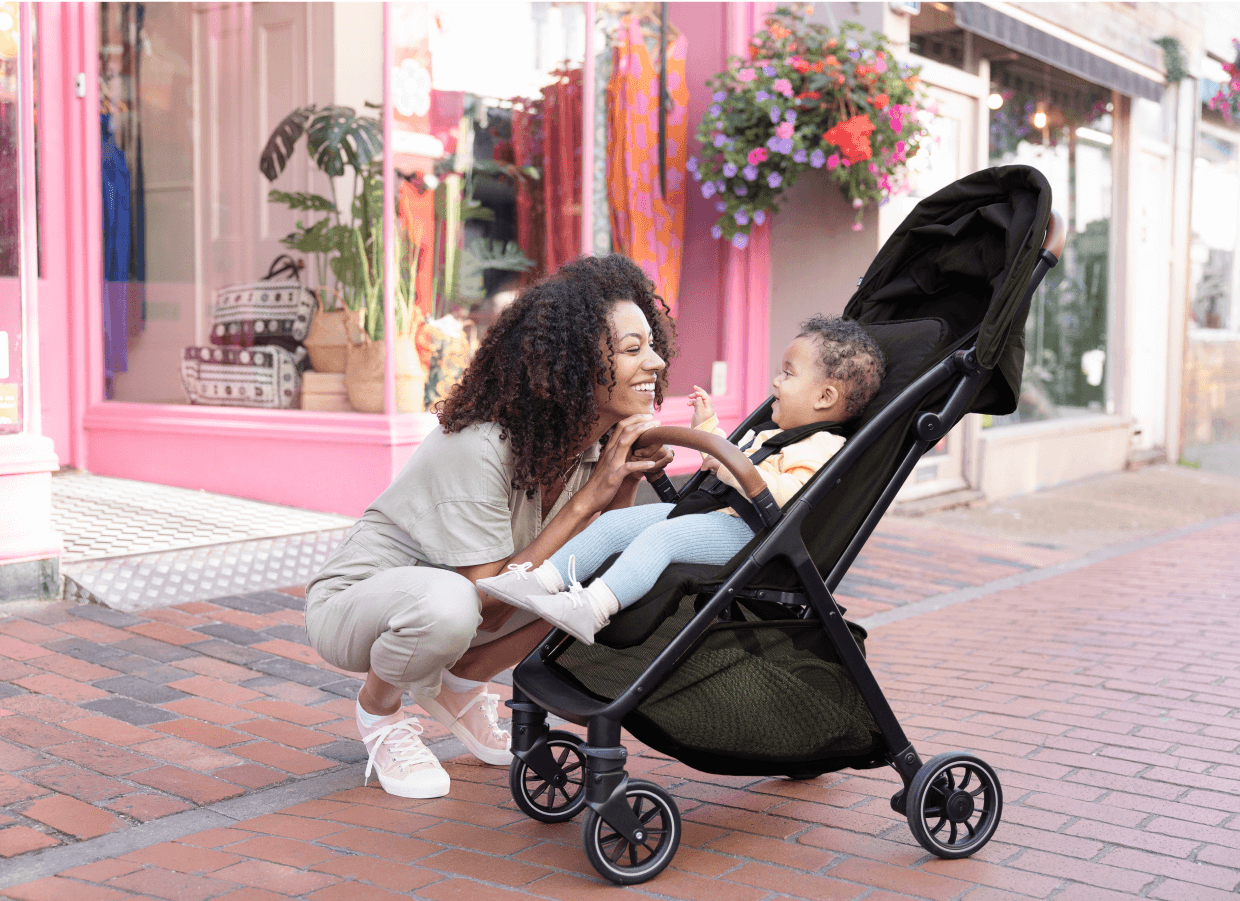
[(649, 542)]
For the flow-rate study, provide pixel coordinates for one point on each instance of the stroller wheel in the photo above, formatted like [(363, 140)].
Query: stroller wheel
[(953, 804), (557, 801), (625, 863)]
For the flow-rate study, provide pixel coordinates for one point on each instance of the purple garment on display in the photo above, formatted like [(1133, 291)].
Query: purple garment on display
[(116, 240)]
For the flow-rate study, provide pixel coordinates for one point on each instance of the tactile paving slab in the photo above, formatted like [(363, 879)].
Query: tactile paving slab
[(135, 545)]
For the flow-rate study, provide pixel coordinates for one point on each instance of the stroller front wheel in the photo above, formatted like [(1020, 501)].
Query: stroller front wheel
[(954, 804), (621, 861), (558, 800)]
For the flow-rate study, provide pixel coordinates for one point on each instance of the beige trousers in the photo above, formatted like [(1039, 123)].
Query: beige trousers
[(406, 623)]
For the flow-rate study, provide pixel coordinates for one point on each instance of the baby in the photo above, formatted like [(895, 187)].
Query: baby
[(830, 373)]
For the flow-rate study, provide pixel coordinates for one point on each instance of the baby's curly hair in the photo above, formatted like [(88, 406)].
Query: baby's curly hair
[(850, 355), (536, 370)]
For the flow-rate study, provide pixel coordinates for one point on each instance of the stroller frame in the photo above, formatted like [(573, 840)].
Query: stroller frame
[(541, 756)]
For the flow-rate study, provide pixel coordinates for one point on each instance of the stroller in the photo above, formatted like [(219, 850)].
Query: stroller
[(750, 668)]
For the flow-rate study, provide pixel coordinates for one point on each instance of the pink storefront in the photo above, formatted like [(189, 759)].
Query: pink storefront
[(153, 170)]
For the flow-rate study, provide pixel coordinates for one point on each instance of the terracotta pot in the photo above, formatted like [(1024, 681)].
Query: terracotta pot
[(364, 368), (328, 337)]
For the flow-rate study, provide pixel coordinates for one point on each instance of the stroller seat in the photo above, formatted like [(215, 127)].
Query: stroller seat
[(750, 667)]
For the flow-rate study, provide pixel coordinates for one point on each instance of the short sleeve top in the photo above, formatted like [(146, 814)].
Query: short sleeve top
[(454, 502)]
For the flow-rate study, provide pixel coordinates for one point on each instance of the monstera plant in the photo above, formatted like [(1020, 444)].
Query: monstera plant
[(346, 245)]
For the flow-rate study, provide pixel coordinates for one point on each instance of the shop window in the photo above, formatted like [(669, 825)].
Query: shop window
[(12, 315), (1216, 206), (207, 113), (1061, 126)]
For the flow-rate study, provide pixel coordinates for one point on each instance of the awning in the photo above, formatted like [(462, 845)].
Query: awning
[(993, 25)]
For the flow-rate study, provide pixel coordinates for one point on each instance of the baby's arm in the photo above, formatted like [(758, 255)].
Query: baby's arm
[(786, 473), (703, 408)]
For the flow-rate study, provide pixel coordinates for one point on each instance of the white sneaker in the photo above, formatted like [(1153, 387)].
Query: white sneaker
[(576, 610), (522, 581), (405, 767), (477, 725)]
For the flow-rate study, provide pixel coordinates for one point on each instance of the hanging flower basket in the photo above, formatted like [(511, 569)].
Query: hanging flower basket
[(1227, 100), (807, 98)]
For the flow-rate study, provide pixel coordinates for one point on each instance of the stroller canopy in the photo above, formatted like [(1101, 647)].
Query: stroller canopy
[(965, 255)]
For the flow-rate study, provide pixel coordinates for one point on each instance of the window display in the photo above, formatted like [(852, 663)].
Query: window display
[(1062, 126), (12, 315)]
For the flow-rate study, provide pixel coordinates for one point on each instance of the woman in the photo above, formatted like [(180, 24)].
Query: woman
[(517, 466)]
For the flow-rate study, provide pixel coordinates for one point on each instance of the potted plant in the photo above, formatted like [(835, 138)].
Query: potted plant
[(348, 253), (805, 98)]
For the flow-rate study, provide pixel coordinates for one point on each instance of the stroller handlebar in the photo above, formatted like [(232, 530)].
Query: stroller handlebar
[(727, 453)]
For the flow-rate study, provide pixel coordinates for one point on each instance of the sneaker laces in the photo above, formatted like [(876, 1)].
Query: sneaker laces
[(490, 709), (523, 570), (404, 743)]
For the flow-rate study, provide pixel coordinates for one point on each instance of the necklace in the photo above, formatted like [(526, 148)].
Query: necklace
[(572, 469)]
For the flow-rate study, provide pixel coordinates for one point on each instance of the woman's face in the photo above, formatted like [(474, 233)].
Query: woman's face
[(636, 365)]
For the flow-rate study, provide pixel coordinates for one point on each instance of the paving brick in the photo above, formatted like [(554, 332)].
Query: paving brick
[(384, 845), (187, 754), (16, 649), (799, 885), (17, 759), (280, 757), (196, 787), (354, 891), (285, 733), (101, 871), (165, 632), (152, 649), (77, 782), (15, 840), (485, 867), (23, 730), (383, 873), (182, 858), (286, 825), (129, 711), (226, 651), (104, 758), (72, 816), (294, 671), (96, 633), (201, 733), (251, 775), (147, 807), (287, 851), (208, 711), (13, 789), (1195, 872), (73, 668), (160, 883), (45, 709), (274, 877), (54, 888), (216, 669), (451, 890), (292, 713), (1107, 877), (215, 690)]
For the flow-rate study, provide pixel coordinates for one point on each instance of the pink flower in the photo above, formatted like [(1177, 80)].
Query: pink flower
[(784, 131), (857, 203), (833, 160), (782, 86), (758, 155), (901, 148), (857, 226), (746, 75)]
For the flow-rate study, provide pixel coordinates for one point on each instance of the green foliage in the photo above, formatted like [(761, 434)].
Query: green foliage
[(482, 254), (1173, 59)]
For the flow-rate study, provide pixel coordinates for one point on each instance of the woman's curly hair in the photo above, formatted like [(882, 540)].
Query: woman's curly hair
[(537, 368)]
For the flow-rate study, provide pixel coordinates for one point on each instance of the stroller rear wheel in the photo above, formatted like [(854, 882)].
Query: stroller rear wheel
[(953, 804), (557, 800), (618, 859)]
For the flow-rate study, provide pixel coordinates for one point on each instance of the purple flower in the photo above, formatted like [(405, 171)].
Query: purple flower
[(740, 241), (761, 95), (729, 170), (785, 145), (719, 96), (768, 71), (774, 179), (721, 186), (720, 206), (776, 115), (697, 176), (790, 116), (758, 217), (800, 156), (691, 164), (772, 144), (817, 159), (716, 110), (740, 217), (716, 232), (708, 189), (750, 173), (719, 140), (741, 191)]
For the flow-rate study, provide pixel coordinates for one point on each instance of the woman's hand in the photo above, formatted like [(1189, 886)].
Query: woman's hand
[(617, 463), (660, 454)]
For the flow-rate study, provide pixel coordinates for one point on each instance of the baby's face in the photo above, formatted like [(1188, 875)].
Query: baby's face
[(802, 394)]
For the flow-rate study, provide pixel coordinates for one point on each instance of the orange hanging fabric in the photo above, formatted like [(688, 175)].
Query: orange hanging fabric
[(417, 218), (647, 226), (561, 175)]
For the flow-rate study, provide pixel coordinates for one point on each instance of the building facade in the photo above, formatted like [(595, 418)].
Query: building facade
[(141, 161)]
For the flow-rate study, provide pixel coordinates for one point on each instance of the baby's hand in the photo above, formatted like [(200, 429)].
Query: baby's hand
[(703, 409)]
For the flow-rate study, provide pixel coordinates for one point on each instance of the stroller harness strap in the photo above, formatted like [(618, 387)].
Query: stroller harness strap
[(714, 494)]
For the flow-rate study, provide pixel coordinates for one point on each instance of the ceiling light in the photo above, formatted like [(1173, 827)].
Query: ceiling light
[(995, 101)]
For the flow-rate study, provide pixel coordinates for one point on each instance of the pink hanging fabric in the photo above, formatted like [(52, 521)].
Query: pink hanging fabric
[(562, 140)]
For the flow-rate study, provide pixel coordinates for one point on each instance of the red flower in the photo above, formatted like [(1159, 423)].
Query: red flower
[(880, 102), (852, 137)]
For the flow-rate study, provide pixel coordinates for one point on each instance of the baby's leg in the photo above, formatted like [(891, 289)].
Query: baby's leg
[(609, 534), (698, 538)]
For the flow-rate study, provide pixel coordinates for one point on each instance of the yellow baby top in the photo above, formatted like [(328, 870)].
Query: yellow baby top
[(787, 471)]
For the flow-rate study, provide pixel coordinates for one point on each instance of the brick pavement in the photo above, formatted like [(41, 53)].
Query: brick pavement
[(204, 752)]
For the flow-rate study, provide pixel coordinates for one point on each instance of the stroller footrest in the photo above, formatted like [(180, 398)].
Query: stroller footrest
[(549, 692)]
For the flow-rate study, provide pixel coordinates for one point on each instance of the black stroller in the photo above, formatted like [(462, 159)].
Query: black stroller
[(750, 668)]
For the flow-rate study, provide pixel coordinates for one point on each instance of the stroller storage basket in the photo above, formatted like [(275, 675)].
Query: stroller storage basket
[(754, 696)]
